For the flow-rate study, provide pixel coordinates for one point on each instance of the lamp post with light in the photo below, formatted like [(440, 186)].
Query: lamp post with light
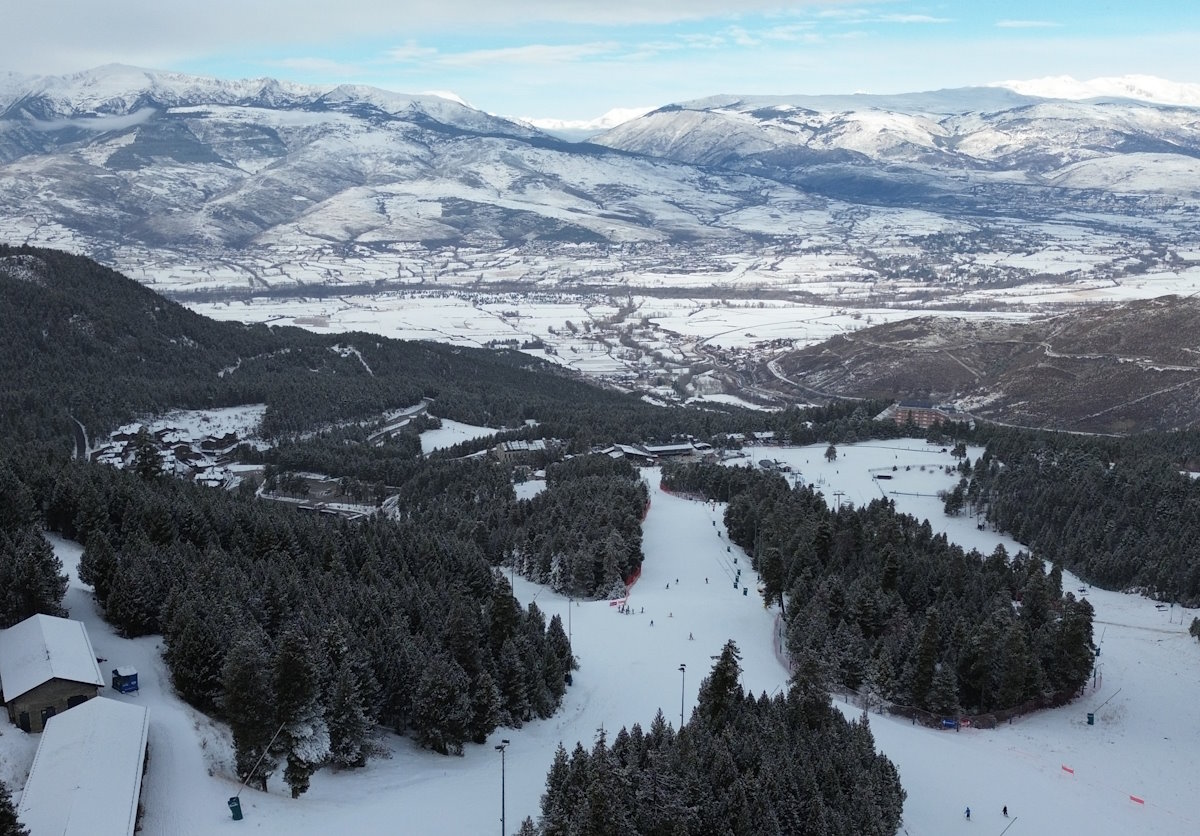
[(500, 748), (682, 685)]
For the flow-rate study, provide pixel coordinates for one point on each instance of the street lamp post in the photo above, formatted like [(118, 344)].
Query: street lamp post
[(500, 748), (682, 681)]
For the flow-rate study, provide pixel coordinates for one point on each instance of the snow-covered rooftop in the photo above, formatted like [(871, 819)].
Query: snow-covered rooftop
[(41, 648), (87, 774)]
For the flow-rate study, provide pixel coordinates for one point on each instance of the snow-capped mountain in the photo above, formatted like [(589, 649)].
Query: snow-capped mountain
[(139, 166), (1146, 88), (981, 129), (578, 129)]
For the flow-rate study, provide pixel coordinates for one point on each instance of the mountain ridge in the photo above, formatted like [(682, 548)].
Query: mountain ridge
[(167, 174), (1108, 369)]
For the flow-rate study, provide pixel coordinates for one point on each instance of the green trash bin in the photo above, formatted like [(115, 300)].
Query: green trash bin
[(235, 807), (1091, 719)]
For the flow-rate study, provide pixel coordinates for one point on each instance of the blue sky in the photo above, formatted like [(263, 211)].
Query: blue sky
[(576, 59)]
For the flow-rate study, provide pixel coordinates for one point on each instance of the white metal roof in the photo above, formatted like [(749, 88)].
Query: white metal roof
[(44, 647), (87, 774)]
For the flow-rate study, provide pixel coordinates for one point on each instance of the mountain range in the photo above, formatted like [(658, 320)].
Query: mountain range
[(158, 172)]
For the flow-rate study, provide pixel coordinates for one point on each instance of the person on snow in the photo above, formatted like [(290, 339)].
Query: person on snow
[(1005, 811), (968, 814)]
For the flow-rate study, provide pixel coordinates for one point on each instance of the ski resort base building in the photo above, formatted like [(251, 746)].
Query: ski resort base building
[(47, 666)]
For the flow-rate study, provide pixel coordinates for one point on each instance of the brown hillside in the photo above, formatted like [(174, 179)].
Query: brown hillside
[(1113, 369)]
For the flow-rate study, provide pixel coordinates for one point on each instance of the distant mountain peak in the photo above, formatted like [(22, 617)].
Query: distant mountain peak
[(582, 128), (1141, 87)]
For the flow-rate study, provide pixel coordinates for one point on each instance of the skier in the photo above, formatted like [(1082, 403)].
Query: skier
[(968, 814), (652, 622), (693, 638), (1005, 811)]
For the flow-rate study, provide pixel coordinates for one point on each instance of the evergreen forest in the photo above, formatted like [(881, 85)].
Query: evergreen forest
[(787, 765), (309, 635), (893, 611)]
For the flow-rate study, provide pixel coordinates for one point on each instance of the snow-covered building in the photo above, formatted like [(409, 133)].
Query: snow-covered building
[(520, 451), (684, 448), (627, 451), (47, 665), (87, 774), (922, 413)]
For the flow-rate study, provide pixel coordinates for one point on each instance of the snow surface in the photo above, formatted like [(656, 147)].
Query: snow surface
[(1146, 740), (451, 433), (1143, 87), (198, 423), (87, 774), (44, 647)]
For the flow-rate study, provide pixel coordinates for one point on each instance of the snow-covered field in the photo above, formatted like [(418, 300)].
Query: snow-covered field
[(1145, 743), (451, 433)]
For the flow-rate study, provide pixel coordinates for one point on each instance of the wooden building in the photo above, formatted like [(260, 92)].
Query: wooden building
[(47, 666)]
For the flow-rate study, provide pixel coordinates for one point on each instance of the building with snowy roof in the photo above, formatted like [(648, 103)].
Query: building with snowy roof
[(47, 666), (86, 777)]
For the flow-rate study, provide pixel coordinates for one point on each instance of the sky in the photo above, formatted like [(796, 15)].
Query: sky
[(577, 59)]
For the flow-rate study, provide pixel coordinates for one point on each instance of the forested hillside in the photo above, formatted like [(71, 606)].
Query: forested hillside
[(83, 341), (891, 609), (1120, 512)]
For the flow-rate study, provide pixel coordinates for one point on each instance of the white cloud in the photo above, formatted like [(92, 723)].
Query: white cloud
[(528, 54), (801, 32), (898, 18), (321, 66), (1027, 24), (742, 38), (410, 51)]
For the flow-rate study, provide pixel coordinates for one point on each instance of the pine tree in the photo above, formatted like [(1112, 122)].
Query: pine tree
[(304, 740), (1015, 668), (147, 461), (720, 691), (346, 715), (485, 707), (924, 660), (513, 684), (140, 587), (17, 506), (943, 691), (556, 805), (98, 565), (197, 639), (441, 711), (31, 577), (10, 825), (248, 703)]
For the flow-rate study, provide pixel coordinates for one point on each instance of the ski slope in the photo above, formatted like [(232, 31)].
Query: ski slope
[(1145, 743)]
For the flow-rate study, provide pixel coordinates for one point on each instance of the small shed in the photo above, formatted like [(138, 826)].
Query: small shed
[(86, 778), (125, 680), (47, 665)]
